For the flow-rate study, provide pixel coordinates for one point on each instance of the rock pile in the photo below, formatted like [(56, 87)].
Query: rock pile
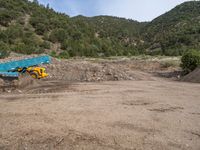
[(87, 71)]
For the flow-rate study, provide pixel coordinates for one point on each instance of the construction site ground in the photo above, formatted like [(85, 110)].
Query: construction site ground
[(104, 104)]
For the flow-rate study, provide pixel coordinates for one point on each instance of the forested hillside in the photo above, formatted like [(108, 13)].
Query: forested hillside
[(175, 31), (28, 27)]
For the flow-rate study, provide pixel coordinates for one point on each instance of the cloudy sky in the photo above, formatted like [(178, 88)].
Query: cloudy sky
[(141, 10)]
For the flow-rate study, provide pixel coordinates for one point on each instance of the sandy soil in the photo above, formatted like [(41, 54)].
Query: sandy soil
[(148, 114)]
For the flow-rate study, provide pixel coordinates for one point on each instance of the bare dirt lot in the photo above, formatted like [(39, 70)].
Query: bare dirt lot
[(151, 114), (130, 106)]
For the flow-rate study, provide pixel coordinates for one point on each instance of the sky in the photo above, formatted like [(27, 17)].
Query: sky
[(140, 10)]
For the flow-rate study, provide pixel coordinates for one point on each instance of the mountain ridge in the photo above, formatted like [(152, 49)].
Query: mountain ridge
[(28, 27)]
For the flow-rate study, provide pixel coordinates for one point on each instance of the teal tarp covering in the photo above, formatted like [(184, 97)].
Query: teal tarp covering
[(9, 74)]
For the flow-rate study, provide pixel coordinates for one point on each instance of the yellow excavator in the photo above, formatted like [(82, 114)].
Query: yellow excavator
[(34, 72)]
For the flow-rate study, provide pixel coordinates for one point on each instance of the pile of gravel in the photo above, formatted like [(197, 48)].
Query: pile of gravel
[(85, 71)]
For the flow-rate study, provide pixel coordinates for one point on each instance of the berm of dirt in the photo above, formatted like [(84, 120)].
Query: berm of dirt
[(194, 76)]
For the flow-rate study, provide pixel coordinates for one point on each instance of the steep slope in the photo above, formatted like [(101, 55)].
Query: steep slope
[(175, 31), (108, 26), (121, 32)]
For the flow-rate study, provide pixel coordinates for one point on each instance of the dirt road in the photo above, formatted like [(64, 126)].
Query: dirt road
[(153, 114)]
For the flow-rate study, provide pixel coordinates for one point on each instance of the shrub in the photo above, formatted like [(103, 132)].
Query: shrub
[(64, 55), (190, 60), (6, 16), (13, 32), (64, 45), (167, 64), (53, 54), (58, 35), (46, 45), (4, 50), (3, 36), (27, 49), (40, 28)]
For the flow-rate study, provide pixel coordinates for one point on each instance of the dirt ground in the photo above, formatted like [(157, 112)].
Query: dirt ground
[(101, 105), (150, 114)]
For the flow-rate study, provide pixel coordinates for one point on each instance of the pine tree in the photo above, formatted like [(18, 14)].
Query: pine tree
[(35, 1)]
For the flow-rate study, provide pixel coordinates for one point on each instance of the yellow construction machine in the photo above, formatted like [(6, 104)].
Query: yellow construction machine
[(35, 72)]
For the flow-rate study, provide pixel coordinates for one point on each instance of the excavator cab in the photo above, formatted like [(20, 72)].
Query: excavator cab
[(37, 72)]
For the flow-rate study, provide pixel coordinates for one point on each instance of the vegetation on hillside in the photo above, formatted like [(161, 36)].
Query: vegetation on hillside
[(175, 31), (190, 60), (28, 27)]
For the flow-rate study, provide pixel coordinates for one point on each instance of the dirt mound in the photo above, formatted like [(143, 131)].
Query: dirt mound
[(193, 76), (26, 81), (26, 84), (82, 70), (1, 82), (1, 85), (9, 85)]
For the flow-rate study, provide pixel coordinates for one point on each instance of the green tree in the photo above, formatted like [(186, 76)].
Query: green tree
[(48, 7), (64, 55), (4, 50), (36, 2), (190, 60), (58, 35)]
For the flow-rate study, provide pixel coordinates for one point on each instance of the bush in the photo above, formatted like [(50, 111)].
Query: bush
[(13, 32), (46, 45), (40, 28), (64, 55), (53, 54), (65, 45), (6, 16), (4, 50), (58, 35), (170, 63), (190, 60), (27, 49), (3, 36)]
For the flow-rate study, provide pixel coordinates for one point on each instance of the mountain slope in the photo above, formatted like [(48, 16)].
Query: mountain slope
[(176, 30), (28, 27), (108, 26), (32, 28)]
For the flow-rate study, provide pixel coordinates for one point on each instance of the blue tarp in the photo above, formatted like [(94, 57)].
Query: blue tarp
[(5, 68), (9, 74)]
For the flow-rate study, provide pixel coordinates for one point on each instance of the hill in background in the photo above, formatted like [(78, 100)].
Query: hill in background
[(175, 31), (28, 27)]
